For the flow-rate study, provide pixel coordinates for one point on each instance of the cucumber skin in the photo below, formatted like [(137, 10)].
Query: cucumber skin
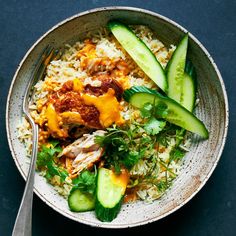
[(188, 101), (107, 214), (189, 83), (173, 84), (73, 208), (190, 70), (143, 90), (113, 24)]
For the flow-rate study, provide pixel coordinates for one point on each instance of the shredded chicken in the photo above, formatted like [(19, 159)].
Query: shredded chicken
[(84, 152)]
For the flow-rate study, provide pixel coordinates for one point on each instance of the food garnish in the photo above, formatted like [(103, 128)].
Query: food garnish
[(114, 115)]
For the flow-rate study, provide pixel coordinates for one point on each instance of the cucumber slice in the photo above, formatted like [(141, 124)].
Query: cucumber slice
[(188, 93), (140, 53), (175, 70), (176, 114), (110, 192), (79, 201), (189, 87)]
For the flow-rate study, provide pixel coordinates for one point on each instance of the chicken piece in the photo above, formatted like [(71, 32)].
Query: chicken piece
[(106, 83), (85, 160), (72, 108), (77, 131), (72, 150), (84, 151)]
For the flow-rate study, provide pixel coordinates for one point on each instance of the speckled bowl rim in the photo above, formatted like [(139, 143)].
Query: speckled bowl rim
[(117, 8)]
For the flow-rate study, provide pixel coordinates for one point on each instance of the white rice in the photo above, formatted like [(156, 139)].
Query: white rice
[(25, 135), (105, 48), (68, 68)]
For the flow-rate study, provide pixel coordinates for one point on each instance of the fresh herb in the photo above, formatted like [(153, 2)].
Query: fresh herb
[(124, 148), (53, 169), (179, 136), (154, 126), (167, 169), (44, 156), (86, 182), (145, 140), (153, 112), (176, 154), (47, 158), (163, 185), (161, 110), (47, 152), (146, 110), (115, 136), (131, 159)]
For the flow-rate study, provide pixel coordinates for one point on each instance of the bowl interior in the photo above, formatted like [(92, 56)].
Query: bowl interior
[(212, 110)]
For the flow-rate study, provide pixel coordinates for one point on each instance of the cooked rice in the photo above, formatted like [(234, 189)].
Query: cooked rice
[(69, 67)]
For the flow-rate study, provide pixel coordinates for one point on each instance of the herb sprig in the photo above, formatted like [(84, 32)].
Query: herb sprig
[(86, 182), (47, 159), (124, 148)]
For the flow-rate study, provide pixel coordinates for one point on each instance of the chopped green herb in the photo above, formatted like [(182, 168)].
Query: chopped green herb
[(180, 136), (163, 185), (53, 169), (176, 154), (86, 182), (47, 153), (146, 110), (131, 159), (44, 156), (124, 148), (167, 168), (161, 110), (145, 140), (46, 159), (154, 126)]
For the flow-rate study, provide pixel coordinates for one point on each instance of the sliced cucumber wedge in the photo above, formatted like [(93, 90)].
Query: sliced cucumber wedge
[(175, 70), (79, 201), (188, 93), (140, 53), (110, 192), (189, 87), (138, 96)]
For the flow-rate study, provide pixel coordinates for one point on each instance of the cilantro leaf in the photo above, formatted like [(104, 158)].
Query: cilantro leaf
[(100, 140), (86, 182), (47, 153), (43, 157), (154, 126), (54, 142), (146, 110), (145, 140), (161, 110), (131, 159), (53, 169), (46, 159)]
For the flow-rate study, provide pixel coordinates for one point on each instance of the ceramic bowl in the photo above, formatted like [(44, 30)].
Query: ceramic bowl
[(212, 110)]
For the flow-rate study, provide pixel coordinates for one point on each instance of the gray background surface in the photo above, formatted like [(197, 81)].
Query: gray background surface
[(213, 210)]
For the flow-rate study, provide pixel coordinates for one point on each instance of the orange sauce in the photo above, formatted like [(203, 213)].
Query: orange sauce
[(121, 179), (53, 121), (107, 105), (123, 81), (69, 117), (77, 85)]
